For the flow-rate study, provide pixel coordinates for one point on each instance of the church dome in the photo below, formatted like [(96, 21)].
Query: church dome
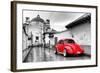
[(38, 19)]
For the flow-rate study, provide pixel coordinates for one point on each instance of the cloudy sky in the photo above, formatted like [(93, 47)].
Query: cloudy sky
[(58, 20)]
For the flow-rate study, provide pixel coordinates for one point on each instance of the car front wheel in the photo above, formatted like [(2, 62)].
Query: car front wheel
[(64, 53)]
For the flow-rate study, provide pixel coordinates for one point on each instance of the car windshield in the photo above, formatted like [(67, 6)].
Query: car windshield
[(69, 41)]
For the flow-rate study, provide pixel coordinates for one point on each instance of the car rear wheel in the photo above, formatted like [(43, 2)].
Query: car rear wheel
[(64, 53)]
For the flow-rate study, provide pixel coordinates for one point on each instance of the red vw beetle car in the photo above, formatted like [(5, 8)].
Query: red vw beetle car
[(68, 47)]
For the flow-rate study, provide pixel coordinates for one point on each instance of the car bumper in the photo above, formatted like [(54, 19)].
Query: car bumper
[(75, 53)]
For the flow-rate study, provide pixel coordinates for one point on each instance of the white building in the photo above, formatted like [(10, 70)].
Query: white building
[(81, 29), (34, 30)]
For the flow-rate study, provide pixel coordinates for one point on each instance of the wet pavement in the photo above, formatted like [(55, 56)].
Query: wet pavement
[(39, 54)]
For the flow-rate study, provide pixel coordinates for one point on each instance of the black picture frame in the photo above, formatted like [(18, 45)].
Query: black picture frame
[(14, 34)]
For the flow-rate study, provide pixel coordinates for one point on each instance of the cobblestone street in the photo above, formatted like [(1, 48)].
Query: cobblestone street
[(38, 54)]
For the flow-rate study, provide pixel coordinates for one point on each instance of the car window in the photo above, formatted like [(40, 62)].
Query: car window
[(69, 41), (61, 42)]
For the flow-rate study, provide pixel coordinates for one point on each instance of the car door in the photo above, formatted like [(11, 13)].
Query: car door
[(60, 46)]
